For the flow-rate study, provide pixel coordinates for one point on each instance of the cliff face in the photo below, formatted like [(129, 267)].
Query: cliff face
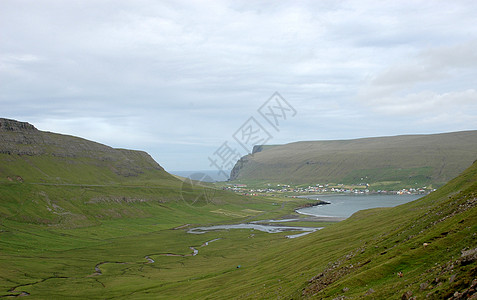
[(242, 162), (234, 174), (21, 142)]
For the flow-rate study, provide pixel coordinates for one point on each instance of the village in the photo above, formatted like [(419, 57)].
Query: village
[(288, 190)]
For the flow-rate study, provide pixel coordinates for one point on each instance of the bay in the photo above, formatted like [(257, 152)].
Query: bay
[(343, 206)]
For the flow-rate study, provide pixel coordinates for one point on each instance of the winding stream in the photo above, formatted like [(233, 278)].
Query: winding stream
[(260, 227), (195, 251)]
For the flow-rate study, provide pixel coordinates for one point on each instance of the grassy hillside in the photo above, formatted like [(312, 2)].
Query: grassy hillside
[(68, 182), (426, 248), (386, 162), (34, 156)]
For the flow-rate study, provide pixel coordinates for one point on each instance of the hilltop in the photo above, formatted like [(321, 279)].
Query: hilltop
[(69, 182), (28, 154), (382, 162)]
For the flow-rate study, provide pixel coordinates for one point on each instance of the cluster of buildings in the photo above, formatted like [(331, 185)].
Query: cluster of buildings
[(323, 189)]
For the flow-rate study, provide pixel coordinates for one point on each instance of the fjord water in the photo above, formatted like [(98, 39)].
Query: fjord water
[(343, 206)]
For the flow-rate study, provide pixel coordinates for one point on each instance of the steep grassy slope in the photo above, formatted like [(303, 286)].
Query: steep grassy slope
[(59, 180), (34, 156), (426, 248), (392, 161), (68, 182)]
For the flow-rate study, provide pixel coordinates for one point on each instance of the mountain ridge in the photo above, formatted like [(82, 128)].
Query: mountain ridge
[(38, 152), (428, 159)]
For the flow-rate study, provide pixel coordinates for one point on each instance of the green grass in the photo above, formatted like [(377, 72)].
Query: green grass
[(48, 261), (57, 260)]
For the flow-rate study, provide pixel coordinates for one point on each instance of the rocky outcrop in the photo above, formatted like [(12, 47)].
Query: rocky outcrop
[(257, 148), (13, 125)]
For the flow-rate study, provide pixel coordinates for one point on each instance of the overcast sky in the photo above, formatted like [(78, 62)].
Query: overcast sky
[(179, 78)]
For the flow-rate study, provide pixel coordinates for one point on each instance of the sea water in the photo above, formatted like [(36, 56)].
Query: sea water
[(343, 206)]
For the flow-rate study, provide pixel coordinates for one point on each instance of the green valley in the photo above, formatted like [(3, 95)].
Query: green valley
[(80, 220)]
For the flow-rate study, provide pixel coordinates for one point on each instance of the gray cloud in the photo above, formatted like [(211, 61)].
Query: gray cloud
[(438, 84), (177, 78)]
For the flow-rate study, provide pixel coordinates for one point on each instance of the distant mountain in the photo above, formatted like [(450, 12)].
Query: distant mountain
[(35, 156), (382, 162), (203, 175)]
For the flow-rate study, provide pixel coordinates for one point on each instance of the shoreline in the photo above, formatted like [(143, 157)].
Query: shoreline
[(318, 218), (318, 203)]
